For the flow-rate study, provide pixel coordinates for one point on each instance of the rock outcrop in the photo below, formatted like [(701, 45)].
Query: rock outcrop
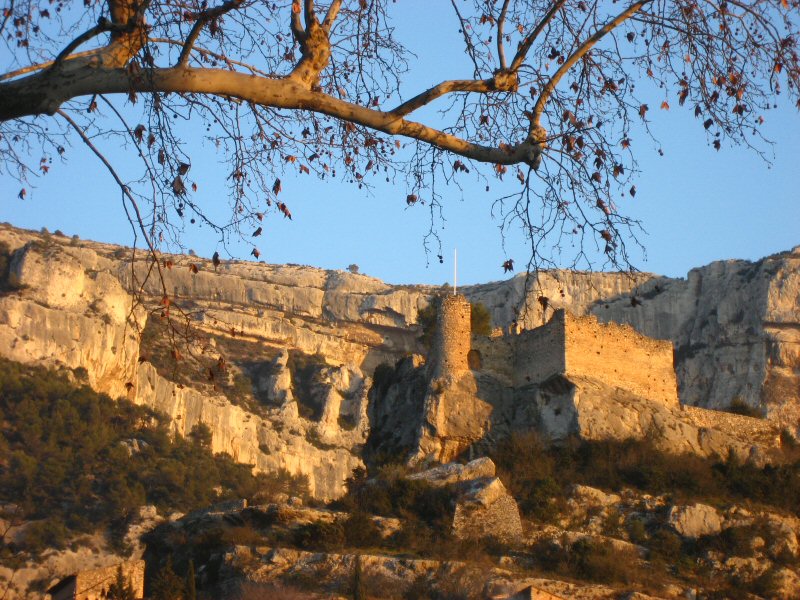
[(84, 306), (695, 520), (92, 556), (80, 305), (483, 506), (735, 324)]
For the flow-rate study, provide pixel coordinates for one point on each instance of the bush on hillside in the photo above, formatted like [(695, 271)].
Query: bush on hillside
[(538, 474), (589, 559), (75, 460), (5, 265), (480, 320)]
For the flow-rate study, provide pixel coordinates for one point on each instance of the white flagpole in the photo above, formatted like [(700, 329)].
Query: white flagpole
[(455, 270)]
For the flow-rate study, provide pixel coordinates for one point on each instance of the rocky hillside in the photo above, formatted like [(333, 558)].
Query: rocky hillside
[(278, 360), (735, 324)]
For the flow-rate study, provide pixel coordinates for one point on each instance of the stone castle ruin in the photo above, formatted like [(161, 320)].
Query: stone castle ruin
[(452, 344), (571, 376), (565, 346), (617, 355), (94, 584)]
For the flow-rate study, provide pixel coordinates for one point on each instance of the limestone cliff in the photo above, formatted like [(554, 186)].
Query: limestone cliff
[(735, 324), (88, 306)]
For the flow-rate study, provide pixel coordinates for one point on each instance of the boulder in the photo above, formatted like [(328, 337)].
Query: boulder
[(785, 584), (695, 520), (484, 508), (589, 496), (782, 542), (532, 593), (451, 473)]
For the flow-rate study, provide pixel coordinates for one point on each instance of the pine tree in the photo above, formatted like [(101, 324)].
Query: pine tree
[(359, 593), (167, 585), (191, 590), (121, 589)]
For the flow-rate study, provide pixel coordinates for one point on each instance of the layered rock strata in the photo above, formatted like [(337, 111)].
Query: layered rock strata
[(735, 327)]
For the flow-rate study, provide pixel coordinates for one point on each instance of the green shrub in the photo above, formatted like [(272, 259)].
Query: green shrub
[(534, 471), (319, 535), (427, 320), (360, 531), (637, 532), (392, 494), (121, 589), (282, 482), (768, 584), (312, 437), (426, 512), (667, 546), (243, 535), (201, 435), (480, 319), (602, 562), (47, 533), (359, 590), (589, 559), (739, 407), (5, 265), (69, 458), (733, 541), (167, 585), (528, 470)]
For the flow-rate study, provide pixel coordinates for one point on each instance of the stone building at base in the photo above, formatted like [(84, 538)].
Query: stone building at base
[(93, 584)]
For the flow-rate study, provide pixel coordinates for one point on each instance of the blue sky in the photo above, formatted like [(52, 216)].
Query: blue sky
[(696, 204)]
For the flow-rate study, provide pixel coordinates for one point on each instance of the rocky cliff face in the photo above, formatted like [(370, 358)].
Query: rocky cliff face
[(252, 330), (735, 324), (87, 307)]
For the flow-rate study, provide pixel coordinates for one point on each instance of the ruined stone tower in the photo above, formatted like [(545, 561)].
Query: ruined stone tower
[(452, 342)]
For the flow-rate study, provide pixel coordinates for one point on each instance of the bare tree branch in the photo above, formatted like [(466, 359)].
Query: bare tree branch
[(501, 24), (330, 16), (576, 70), (523, 49), (441, 89), (582, 50), (124, 188), (261, 91), (102, 25), (202, 19)]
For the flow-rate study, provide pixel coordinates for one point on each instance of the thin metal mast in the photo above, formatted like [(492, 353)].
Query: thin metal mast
[(455, 270)]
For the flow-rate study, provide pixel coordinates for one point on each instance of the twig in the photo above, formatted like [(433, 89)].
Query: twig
[(125, 191), (102, 26), (203, 18), (501, 24)]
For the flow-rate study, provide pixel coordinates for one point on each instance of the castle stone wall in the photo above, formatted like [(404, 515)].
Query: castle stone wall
[(540, 352), (452, 343), (620, 357), (93, 584), (497, 355)]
